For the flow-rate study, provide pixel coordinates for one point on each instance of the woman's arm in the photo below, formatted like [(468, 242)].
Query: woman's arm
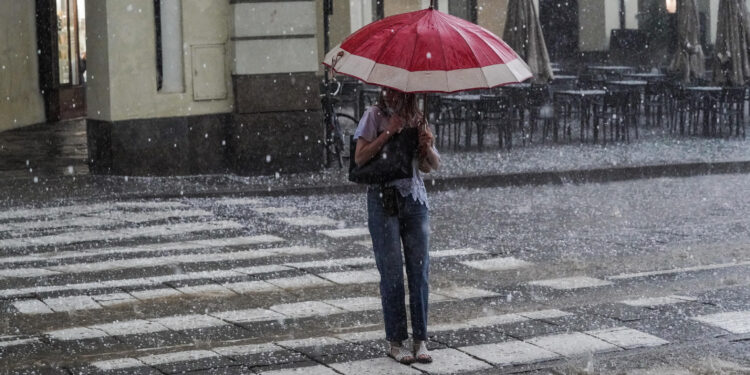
[(366, 150), (429, 159)]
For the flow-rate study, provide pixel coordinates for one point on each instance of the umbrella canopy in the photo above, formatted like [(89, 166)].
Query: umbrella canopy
[(427, 51), (731, 62), (523, 33), (689, 59)]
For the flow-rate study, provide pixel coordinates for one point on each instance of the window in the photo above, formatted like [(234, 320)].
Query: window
[(71, 41)]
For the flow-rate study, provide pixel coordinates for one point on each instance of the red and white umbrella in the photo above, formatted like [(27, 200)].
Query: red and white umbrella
[(427, 51)]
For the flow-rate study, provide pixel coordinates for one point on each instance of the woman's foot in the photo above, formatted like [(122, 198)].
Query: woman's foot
[(421, 354), (400, 354)]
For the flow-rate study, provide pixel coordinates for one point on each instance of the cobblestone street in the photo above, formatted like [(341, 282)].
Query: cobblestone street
[(644, 276)]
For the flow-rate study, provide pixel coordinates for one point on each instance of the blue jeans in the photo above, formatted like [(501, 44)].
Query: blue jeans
[(412, 228)]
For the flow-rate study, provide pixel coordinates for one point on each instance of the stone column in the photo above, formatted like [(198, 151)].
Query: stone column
[(276, 125)]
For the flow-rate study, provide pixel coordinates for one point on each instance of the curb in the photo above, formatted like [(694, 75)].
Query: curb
[(597, 175)]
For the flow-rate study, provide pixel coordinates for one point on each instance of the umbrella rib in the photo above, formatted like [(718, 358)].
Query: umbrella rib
[(472, 51)]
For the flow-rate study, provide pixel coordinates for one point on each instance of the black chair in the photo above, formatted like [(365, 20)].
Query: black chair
[(732, 110), (494, 112)]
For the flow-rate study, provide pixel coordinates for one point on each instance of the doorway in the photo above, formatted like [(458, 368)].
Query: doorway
[(61, 38), (559, 19)]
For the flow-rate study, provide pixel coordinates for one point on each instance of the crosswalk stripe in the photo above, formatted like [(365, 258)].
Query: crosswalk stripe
[(627, 338), (498, 264), (309, 221), (707, 267), (158, 261), (737, 322), (49, 212), (167, 246), (287, 310), (119, 234), (569, 283), (657, 301), (257, 315), (345, 233), (341, 277)]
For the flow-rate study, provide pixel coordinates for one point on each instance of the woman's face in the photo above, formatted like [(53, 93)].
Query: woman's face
[(393, 98)]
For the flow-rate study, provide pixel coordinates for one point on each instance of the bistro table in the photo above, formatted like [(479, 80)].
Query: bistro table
[(707, 96), (612, 70), (586, 101)]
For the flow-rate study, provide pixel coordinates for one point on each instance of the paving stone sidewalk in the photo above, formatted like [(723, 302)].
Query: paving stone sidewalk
[(655, 154)]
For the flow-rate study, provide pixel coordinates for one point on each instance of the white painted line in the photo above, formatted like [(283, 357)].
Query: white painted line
[(737, 322), (249, 316), (31, 306), (465, 292), (377, 366), (144, 217), (130, 327), (545, 314), (256, 270), (299, 282), (169, 246), (310, 342), (26, 272), (242, 350), (365, 243), (73, 222), (237, 201), (352, 277), (498, 264), (309, 221), (16, 342), (151, 204), (510, 353), (627, 338), (572, 344), (569, 283), (185, 322), (192, 355), (307, 370), (177, 259), (306, 309), (345, 233), (452, 361), (208, 290), (329, 263), (657, 301), (118, 364), (113, 299), (454, 252), (120, 234), (49, 212), (155, 293), (363, 336), (707, 267), (72, 303), (75, 333), (275, 210), (249, 287), (356, 303)]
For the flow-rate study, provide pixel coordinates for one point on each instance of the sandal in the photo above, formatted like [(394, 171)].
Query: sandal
[(421, 354), (400, 354)]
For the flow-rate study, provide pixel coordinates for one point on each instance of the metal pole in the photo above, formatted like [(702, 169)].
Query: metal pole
[(622, 14)]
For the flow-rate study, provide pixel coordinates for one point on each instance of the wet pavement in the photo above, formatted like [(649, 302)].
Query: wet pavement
[(631, 277)]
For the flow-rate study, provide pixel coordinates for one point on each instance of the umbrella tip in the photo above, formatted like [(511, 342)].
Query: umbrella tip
[(432, 4)]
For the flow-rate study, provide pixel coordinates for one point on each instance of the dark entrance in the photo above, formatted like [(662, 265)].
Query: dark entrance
[(61, 40), (559, 19)]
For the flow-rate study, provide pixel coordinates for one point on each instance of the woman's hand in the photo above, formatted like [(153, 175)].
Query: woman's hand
[(395, 125)]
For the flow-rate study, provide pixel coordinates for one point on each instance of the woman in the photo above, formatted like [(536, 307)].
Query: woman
[(408, 224)]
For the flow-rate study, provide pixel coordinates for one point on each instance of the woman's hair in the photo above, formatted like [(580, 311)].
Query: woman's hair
[(407, 106)]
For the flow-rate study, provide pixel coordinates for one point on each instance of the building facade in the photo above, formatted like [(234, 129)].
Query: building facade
[(178, 87)]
